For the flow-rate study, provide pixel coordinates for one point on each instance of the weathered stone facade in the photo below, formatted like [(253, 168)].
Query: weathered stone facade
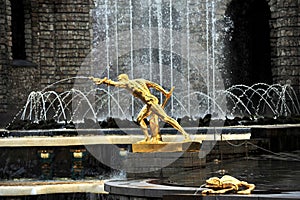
[(57, 39), (5, 43), (59, 36), (285, 42)]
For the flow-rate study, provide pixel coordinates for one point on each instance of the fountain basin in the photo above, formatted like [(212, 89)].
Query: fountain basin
[(27, 146), (147, 189), (274, 177)]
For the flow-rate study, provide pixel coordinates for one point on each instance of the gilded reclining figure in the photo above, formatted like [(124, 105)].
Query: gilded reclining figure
[(225, 184)]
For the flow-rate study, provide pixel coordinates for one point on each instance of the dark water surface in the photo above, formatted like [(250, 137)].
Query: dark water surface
[(268, 173)]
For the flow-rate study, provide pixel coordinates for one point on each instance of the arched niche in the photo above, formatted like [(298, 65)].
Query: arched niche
[(247, 45)]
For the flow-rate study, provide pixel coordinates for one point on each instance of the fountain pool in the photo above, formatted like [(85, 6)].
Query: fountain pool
[(275, 177), (174, 43)]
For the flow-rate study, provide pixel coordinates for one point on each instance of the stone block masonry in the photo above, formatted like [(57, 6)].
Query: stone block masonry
[(285, 42), (162, 164), (57, 39), (65, 26), (5, 49)]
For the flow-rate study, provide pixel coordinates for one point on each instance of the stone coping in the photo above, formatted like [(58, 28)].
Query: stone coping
[(144, 188), (30, 141), (136, 131), (225, 129), (275, 126), (98, 136), (26, 188), (147, 189)]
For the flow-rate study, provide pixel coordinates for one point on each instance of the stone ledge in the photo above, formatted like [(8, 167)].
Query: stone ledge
[(146, 189), (23, 63), (24, 188)]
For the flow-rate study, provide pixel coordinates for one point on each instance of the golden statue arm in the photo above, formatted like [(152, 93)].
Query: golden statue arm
[(105, 80), (97, 81), (161, 89)]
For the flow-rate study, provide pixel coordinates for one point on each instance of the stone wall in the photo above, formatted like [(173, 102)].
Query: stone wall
[(285, 42), (65, 38), (57, 39), (5, 49), (21, 81)]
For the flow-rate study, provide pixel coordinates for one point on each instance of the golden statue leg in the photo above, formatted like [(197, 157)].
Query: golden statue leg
[(249, 186), (157, 109), (145, 112), (154, 127), (176, 125), (221, 191)]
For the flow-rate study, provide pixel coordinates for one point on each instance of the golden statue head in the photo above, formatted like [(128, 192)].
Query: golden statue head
[(213, 181), (123, 77)]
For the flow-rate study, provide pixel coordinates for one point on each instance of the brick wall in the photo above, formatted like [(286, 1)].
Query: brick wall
[(5, 49), (65, 28), (57, 39), (285, 42)]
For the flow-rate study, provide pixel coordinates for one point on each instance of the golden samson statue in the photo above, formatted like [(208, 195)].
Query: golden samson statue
[(139, 88)]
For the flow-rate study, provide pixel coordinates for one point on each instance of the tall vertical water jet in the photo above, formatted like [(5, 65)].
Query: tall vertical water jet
[(117, 47), (172, 56), (173, 43), (188, 54), (131, 52), (107, 39), (213, 33), (159, 29)]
